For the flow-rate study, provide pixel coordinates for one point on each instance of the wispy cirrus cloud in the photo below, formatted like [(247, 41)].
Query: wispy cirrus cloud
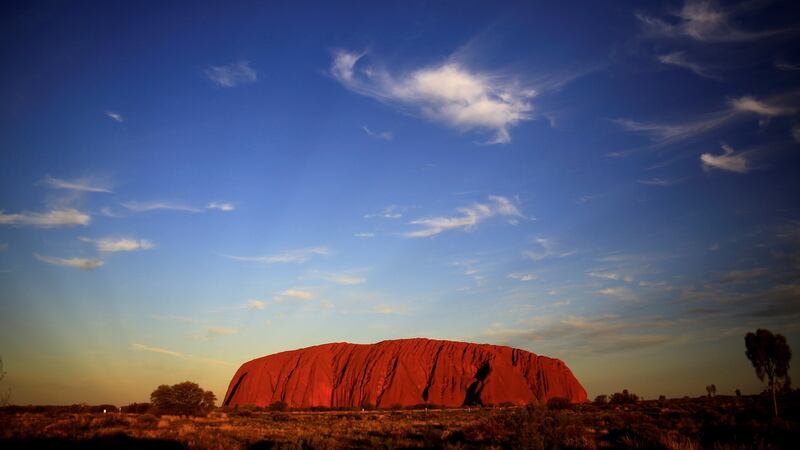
[(364, 235), (139, 207), (255, 305), (231, 75), (77, 263), (523, 276), (662, 182), (109, 245), (547, 248), (115, 116), (288, 257), (220, 331), (389, 212), (388, 309), (706, 21), (469, 217), (749, 104), (382, 135), (664, 134), (619, 293), (56, 218), (176, 354), (222, 206), (729, 161), (605, 333), (296, 294), (80, 184), (449, 93), (614, 276), (679, 59)]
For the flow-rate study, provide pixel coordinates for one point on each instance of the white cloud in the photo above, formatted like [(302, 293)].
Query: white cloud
[(345, 279), (469, 218), (119, 244), (291, 256), (679, 59), (387, 309), (116, 117), (389, 212), (547, 249), (155, 206), (449, 93), (523, 276), (176, 354), (222, 206), (705, 21), (55, 218), (256, 304), (297, 294), (383, 135), (3, 247), (232, 74), (668, 133), (82, 185), (78, 263), (728, 161), (611, 276), (163, 351), (364, 235), (620, 293), (760, 107), (661, 182), (221, 331), (796, 133), (739, 108)]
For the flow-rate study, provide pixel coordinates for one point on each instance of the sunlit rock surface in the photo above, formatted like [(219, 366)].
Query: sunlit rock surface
[(402, 372)]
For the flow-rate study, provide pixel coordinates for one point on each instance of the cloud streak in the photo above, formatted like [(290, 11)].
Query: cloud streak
[(55, 218), (729, 161), (81, 185), (110, 245), (448, 93), (176, 354), (469, 217), (231, 75), (115, 116), (77, 263), (382, 135), (679, 59), (288, 257), (705, 21)]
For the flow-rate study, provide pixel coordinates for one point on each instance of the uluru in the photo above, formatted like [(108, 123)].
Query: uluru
[(403, 372)]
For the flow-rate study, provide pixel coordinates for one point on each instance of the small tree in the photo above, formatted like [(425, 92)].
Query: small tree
[(601, 399), (712, 390), (770, 354), (185, 398)]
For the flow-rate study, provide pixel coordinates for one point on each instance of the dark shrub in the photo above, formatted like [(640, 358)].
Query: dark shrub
[(280, 405), (557, 403)]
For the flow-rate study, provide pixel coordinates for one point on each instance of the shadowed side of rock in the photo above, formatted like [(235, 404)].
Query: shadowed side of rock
[(402, 372)]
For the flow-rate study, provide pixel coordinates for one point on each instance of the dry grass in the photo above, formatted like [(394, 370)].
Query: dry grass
[(720, 423)]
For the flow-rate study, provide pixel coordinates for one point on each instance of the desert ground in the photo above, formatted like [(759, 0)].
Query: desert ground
[(720, 422)]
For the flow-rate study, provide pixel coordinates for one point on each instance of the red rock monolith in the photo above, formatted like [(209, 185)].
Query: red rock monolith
[(402, 372)]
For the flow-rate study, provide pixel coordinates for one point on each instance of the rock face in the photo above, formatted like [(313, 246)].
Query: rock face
[(403, 372)]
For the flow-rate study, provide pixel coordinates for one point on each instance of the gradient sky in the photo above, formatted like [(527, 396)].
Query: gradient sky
[(185, 187)]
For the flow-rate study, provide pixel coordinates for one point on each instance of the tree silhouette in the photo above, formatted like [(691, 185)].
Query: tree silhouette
[(185, 398), (770, 355), (4, 397)]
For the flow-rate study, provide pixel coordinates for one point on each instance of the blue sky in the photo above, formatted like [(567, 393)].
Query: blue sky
[(186, 187)]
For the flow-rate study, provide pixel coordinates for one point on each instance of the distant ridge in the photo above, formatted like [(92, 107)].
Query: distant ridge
[(402, 372)]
